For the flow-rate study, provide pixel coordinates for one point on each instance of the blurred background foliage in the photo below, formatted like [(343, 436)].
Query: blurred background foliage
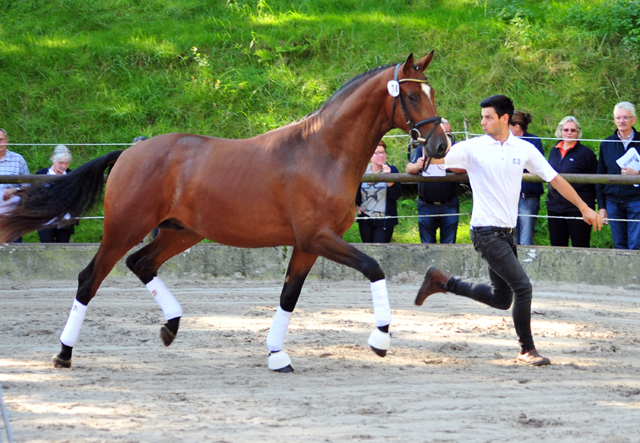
[(106, 71)]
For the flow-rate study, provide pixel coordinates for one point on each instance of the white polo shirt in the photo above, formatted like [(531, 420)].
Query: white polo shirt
[(495, 173)]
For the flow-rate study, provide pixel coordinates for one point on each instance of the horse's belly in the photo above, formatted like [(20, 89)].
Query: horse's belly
[(248, 232)]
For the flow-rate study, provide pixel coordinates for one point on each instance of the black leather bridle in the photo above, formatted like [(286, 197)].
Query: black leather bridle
[(414, 132)]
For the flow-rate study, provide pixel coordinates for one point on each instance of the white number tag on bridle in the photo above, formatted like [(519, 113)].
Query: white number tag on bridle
[(394, 88)]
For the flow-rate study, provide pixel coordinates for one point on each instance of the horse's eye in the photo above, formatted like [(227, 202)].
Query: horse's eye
[(412, 97)]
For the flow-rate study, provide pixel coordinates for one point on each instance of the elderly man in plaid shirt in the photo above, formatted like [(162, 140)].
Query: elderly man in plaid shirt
[(10, 164)]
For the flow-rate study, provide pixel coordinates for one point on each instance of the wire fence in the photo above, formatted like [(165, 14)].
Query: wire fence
[(377, 178), (459, 134), (467, 135), (466, 214)]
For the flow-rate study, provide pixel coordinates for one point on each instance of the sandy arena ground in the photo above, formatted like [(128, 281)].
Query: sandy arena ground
[(450, 376)]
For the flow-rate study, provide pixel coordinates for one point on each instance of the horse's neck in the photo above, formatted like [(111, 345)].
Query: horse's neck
[(352, 127), (344, 132)]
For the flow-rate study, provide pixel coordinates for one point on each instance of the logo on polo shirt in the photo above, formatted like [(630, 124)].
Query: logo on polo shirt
[(516, 161)]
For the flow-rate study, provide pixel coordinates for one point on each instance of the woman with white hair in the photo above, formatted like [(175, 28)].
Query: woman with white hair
[(60, 233), (570, 156)]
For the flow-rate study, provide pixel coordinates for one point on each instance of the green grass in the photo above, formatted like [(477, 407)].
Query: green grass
[(105, 71)]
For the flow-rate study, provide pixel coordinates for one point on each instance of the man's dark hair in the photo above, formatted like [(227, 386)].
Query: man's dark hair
[(500, 103)]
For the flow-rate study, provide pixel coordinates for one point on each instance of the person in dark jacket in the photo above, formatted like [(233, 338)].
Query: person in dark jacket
[(570, 156), (60, 232), (377, 200), (438, 202), (620, 202), (529, 204)]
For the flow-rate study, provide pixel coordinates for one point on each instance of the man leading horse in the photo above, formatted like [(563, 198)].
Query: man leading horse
[(495, 163)]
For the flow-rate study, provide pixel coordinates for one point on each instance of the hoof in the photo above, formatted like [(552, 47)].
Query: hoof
[(60, 363), (166, 335), (280, 362), (380, 352), (380, 342)]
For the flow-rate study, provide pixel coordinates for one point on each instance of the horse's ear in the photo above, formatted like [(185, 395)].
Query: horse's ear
[(424, 62), (408, 64)]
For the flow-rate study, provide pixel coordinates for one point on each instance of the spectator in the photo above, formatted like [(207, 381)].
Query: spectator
[(438, 202), (620, 202), (529, 203), (376, 200), (570, 156), (11, 163), (61, 233)]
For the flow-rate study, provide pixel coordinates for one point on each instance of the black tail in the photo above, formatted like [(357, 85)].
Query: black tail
[(74, 193)]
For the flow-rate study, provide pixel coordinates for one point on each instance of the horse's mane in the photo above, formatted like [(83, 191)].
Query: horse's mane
[(354, 82), (345, 89)]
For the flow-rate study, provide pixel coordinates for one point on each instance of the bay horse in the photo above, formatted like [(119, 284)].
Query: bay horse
[(295, 186)]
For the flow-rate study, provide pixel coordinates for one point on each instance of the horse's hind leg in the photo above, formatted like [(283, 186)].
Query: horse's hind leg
[(328, 244), (89, 281), (145, 264), (299, 266)]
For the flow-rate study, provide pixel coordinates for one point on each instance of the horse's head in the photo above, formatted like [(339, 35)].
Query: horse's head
[(414, 96)]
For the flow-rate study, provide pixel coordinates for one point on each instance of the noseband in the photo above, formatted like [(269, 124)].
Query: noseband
[(414, 132)]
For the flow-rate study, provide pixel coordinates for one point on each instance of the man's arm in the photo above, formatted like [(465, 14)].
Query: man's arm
[(24, 168), (590, 216), (414, 168), (8, 193)]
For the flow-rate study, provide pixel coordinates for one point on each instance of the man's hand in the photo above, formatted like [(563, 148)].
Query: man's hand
[(8, 193), (592, 218), (414, 168), (629, 171)]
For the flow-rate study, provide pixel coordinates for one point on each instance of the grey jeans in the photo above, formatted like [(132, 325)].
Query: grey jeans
[(509, 282)]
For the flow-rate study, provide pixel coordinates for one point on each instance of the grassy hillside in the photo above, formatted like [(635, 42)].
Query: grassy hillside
[(105, 71)]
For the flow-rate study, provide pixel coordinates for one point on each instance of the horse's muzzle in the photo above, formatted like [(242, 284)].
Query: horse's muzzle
[(436, 148)]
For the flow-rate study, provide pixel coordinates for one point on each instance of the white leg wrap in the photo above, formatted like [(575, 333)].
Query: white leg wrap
[(380, 340), (275, 337), (380, 297), (279, 360), (71, 330), (168, 303)]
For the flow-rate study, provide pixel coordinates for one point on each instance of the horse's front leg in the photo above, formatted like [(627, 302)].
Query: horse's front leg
[(328, 244), (299, 266)]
